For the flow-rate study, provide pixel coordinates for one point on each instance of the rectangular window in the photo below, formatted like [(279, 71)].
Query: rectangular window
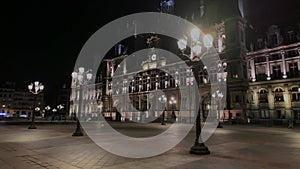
[(293, 69), (276, 72)]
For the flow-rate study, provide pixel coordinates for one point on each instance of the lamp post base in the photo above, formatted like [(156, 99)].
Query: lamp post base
[(32, 126), (78, 131), (219, 125), (199, 149)]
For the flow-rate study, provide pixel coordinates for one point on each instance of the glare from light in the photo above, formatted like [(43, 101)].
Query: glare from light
[(182, 43), (208, 41), (196, 49), (195, 34)]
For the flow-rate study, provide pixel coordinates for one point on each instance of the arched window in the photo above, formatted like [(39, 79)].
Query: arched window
[(263, 96), (278, 95), (295, 94)]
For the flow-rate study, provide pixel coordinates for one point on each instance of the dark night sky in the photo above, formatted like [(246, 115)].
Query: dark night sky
[(49, 35)]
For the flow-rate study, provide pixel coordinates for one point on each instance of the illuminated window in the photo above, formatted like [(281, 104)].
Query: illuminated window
[(263, 96), (279, 95), (295, 94)]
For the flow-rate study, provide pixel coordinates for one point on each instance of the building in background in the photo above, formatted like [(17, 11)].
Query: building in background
[(7, 90), (226, 21), (18, 103), (274, 75)]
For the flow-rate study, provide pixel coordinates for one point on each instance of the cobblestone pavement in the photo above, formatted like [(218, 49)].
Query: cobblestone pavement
[(232, 147)]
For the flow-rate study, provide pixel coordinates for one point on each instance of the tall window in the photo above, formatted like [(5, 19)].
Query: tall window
[(293, 69), (279, 95), (264, 114), (263, 96), (276, 71), (273, 39), (261, 73), (295, 94), (291, 37)]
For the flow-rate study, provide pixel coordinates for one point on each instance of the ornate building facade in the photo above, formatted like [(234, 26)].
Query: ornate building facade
[(226, 22), (274, 75)]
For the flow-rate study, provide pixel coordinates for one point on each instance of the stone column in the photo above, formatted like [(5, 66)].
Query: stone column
[(252, 65), (268, 67), (107, 75), (124, 67), (283, 65), (112, 69)]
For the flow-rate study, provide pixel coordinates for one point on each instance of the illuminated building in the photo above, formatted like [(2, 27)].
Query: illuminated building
[(274, 75), (226, 21)]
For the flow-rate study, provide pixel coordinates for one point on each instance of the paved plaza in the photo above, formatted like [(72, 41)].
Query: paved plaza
[(232, 147)]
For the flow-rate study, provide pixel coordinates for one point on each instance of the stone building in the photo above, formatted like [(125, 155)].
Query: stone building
[(16, 102), (274, 75), (226, 21)]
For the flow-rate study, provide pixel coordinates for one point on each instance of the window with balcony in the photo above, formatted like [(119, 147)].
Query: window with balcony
[(278, 95)]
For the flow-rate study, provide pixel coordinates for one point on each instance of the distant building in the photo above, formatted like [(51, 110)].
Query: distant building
[(15, 102), (274, 75), (24, 102), (7, 90)]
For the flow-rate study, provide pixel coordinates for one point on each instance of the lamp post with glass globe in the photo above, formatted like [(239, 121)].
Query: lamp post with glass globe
[(172, 102), (195, 55), (218, 96), (53, 114), (163, 100), (81, 78), (222, 77), (47, 108), (60, 107), (35, 89)]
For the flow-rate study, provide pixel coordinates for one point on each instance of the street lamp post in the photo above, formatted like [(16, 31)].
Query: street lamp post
[(35, 89), (53, 114), (60, 107), (47, 108), (81, 77), (218, 96), (173, 103), (163, 100), (195, 56)]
